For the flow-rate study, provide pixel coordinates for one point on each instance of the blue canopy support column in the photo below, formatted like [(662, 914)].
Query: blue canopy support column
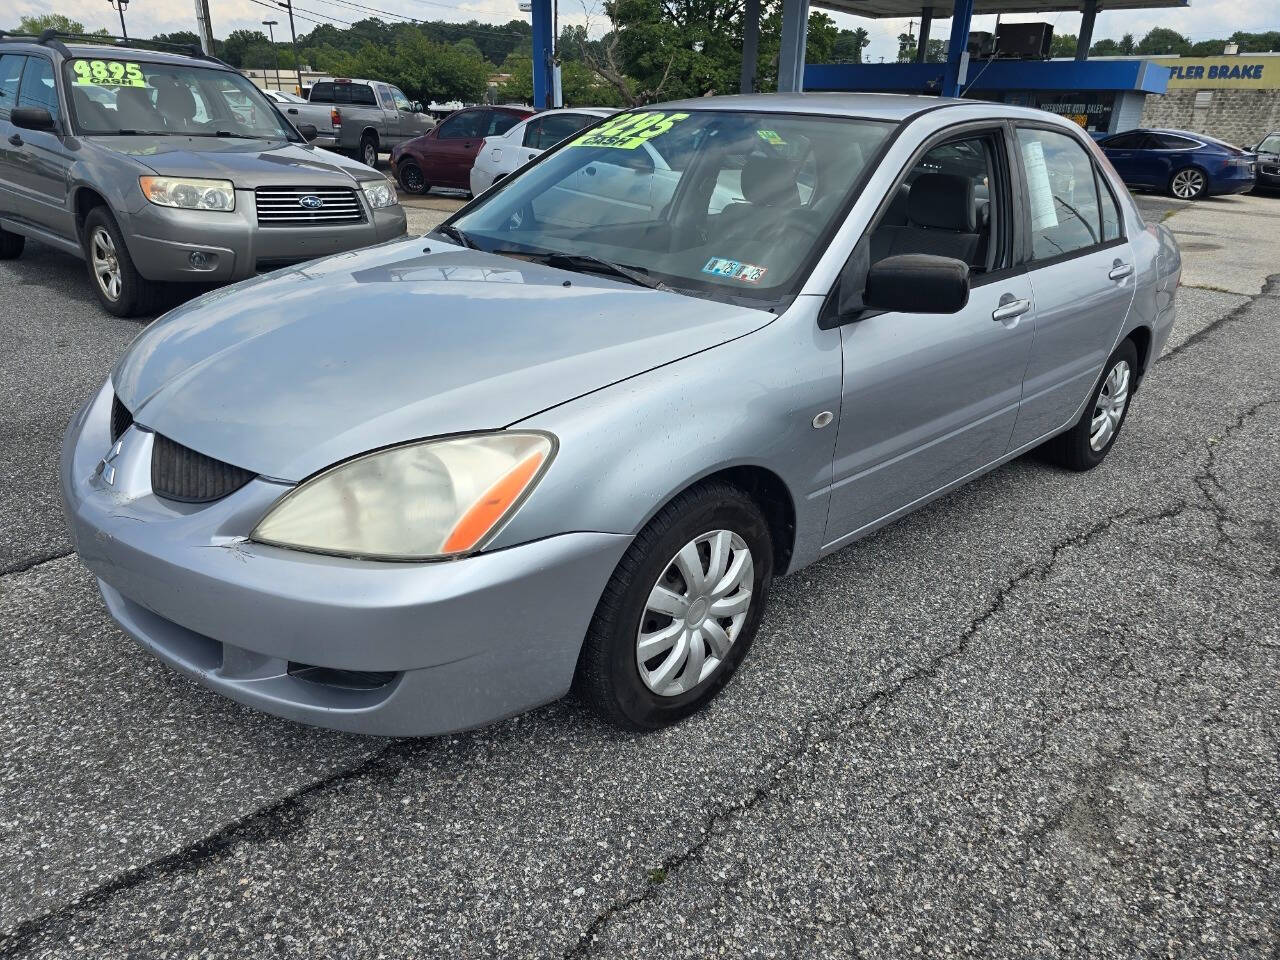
[(795, 32), (543, 78), (750, 46), (926, 21), (957, 47)]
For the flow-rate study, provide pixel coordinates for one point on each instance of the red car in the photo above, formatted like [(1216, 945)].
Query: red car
[(443, 157)]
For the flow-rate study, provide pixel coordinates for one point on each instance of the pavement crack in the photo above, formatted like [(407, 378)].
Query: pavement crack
[(22, 566), (1207, 480), (1273, 283), (273, 821)]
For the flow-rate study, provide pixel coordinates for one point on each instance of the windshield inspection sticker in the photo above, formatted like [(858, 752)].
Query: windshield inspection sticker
[(735, 270), (108, 73), (771, 137), (629, 130)]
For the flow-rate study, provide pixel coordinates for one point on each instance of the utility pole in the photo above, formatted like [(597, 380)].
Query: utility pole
[(119, 5), (204, 26), (297, 60), (271, 33)]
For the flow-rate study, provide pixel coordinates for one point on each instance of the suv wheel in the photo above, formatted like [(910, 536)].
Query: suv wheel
[(680, 611), (11, 245), (120, 288)]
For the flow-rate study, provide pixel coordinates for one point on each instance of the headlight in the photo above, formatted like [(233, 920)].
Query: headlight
[(438, 498), (380, 193), (189, 194)]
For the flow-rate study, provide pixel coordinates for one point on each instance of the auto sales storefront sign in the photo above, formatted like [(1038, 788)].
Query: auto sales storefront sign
[(1243, 72)]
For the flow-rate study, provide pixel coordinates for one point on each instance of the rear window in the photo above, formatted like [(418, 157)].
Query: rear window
[(360, 94)]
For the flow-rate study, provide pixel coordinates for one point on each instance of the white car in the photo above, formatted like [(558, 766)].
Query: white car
[(500, 155), (284, 96)]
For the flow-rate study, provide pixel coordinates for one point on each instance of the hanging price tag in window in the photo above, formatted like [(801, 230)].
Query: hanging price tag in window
[(108, 73), (629, 130)]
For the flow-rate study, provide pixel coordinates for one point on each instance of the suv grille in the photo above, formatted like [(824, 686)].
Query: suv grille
[(180, 473), (285, 206), (121, 418)]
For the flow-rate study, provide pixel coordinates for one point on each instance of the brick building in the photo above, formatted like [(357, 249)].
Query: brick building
[(1234, 98)]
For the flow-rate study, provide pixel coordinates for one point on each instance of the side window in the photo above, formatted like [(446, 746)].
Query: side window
[(556, 127), (362, 95), (1167, 141), (384, 99), (951, 203), (1111, 229), (322, 93), (532, 133), (462, 126), (38, 89), (1062, 193), (500, 123), (1125, 141), (401, 101), (10, 74)]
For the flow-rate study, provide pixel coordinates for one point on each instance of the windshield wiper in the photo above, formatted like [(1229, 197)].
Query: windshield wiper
[(228, 133), (585, 261), (453, 233), (130, 133)]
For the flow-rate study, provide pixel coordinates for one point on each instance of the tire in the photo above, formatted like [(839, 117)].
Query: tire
[(1075, 449), (368, 153), (411, 178), (1189, 183), (609, 675), (11, 245), (134, 295)]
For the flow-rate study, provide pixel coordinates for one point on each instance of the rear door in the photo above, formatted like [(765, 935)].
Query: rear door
[(1082, 276), (10, 78), (449, 155)]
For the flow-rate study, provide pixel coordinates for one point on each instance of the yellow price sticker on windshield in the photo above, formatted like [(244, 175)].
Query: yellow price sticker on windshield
[(108, 73), (771, 137), (629, 130)]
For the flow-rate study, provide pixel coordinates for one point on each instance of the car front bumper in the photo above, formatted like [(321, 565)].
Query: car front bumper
[(378, 648), (209, 247)]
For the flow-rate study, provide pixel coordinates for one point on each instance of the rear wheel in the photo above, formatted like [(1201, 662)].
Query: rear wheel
[(11, 245), (1189, 183), (680, 611), (1086, 444), (120, 288), (411, 178), (369, 150)]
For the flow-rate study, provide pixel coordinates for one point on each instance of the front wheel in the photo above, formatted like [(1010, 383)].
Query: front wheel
[(120, 288), (681, 610), (1086, 444), (1189, 183)]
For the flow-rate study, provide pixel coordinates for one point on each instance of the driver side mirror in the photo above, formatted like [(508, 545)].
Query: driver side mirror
[(417, 106), (308, 131), (917, 283), (32, 118)]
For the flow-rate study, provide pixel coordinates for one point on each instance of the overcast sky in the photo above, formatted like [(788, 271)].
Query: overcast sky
[(1203, 19)]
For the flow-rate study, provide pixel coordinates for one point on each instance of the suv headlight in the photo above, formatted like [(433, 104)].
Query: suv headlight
[(436, 498), (379, 193), (187, 194)]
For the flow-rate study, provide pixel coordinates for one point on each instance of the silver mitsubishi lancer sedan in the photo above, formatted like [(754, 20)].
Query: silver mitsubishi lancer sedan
[(569, 439)]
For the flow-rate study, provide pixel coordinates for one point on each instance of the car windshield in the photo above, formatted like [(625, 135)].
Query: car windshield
[(121, 96), (1271, 144), (722, 204)]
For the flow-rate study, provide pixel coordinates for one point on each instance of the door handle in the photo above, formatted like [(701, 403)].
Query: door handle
[(1120, 270), (15, 139), (294, 111), (1010, 308)]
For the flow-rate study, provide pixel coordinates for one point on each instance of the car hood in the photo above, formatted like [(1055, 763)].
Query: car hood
[(294, 371), (246, 163)]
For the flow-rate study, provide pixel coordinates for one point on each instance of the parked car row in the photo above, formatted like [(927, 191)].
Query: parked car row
[(153, 167)]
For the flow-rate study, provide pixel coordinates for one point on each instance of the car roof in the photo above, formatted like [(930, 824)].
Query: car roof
[(869, 106), (141, 54)]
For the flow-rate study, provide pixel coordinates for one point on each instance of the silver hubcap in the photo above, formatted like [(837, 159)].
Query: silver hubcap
[(370, 155), (1187, 184), (1110, 406), (106, 265), (695, 612)]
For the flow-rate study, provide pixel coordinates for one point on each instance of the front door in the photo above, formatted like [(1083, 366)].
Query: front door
[(1082, 277), (929, 399), (457, 141), (40, 176), (390, 134), (1128, 154), (10, 150)]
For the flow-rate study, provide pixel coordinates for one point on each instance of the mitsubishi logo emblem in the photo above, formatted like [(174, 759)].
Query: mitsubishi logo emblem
[(105, 469)]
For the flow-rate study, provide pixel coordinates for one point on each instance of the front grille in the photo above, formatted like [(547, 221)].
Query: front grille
[(121, 419), (180, 473), (283, 206)]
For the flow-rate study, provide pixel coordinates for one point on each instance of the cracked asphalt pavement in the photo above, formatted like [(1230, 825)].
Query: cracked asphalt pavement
[(1040, 717)]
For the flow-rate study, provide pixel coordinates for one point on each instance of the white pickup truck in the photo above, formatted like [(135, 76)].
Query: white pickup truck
[(360, 117)]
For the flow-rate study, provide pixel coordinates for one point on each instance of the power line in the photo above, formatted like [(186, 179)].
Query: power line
[(465, 28)]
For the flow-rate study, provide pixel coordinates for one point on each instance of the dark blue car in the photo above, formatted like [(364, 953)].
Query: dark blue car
[(1187, 165)]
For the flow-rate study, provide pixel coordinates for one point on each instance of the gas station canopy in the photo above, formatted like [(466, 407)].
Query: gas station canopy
[(912, 8)]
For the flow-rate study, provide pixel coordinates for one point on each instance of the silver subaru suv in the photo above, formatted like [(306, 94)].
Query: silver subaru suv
[(157, 166)]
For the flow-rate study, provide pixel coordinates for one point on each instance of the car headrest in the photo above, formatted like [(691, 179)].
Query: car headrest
[(134, 109), (175, 101), (943, 201), (770, 182)]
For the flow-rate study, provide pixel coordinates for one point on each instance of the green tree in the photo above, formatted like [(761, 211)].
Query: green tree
[(1207, 48), (1106, 47), (849, 46), (1127, 46), (1257, 42), (1063, 45), (1164, 40), (906, 47), (55, 21)]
